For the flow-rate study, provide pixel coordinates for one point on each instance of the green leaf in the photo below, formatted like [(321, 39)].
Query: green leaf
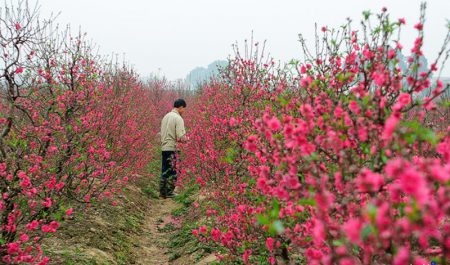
[(338, 243), (284, 102), (410, 138), (271, 219), (312, 157), (366, 148), (230, 156), (277, 136), (419, 132), (294, 62), (251, 182), (429, 136), (367, 14), (366, 100), (277, 227), (307, 201), (344, 77), (366, 231), (445, 104), (262, 219), (372, 211), (384, 158), (275, 210)]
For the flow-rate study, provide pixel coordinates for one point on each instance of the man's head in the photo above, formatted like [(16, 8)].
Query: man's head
[(180, 105)]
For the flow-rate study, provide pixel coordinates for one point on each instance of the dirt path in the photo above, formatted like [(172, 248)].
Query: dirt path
[(138, 230), (152, 245)]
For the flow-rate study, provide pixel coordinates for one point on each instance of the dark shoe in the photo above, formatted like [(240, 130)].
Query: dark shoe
[(162, 196), (171, 195)]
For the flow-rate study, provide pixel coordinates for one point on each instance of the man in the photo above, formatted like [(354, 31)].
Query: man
[(172, 131)]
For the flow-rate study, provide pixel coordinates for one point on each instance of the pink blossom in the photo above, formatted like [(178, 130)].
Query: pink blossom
[(87, 198), (402, 256), (69, 211), (305, 82), (215, 234), (318, 233), (369, 181), (270, 244), (60, 185), (390, 125), (418, 26), (24, 237), (347, 261), (6, 259), (33, 225), (362, 134), (338, 182), (47, 203), (353, 106), (246, 255), (382, 217), (352, 229), (272, 260), (261, 183), (200, 181), (403, 100), (233, 122), (338, 112), (413, 183), (13, 248), (303, 69), (420, 261), (378, 78), (274, 124), (281, 193), (50, 228), (391, 54), (313, 254), (291, 182), (202, 229)]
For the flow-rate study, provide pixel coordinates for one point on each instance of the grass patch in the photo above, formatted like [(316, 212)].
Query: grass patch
[(182, 242), (167, 228)]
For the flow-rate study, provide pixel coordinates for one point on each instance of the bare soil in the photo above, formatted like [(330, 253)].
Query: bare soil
[(141, 229), (153, 244)]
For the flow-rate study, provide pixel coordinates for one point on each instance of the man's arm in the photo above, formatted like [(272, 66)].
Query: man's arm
[(180, 131)]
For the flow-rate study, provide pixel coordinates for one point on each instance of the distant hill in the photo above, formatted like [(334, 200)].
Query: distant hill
[(201, 74)]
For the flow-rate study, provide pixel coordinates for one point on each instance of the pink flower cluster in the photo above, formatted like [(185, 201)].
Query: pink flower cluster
[(333, 164)]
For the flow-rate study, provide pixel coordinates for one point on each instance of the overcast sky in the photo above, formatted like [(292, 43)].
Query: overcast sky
[(175, 36)]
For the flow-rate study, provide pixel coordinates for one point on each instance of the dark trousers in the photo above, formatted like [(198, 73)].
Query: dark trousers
[(168, 173)]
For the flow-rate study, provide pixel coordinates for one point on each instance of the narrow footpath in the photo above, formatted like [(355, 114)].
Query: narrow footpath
[(152, 247)]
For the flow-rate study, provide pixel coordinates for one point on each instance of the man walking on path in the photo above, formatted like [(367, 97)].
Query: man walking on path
[(172, 131)]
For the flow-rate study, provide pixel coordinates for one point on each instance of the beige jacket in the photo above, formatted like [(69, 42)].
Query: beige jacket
[(172, 130)]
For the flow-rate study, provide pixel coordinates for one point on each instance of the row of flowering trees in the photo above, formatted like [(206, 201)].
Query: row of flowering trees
[(74, 129), (331, 160)]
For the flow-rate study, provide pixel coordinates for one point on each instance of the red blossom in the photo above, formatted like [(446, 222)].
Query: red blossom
[(19, 70)]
